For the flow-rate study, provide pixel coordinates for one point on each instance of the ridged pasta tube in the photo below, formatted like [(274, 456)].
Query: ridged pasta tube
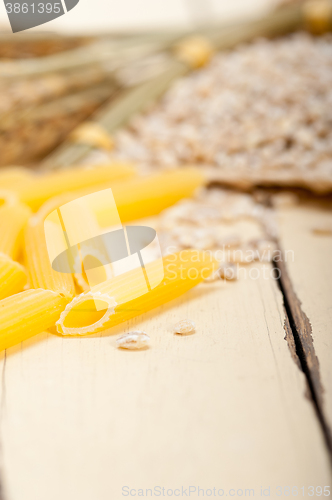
[(28, 313), (112, 302), (41, 274), (35, 192), (138, 197), (13, 217), (12, 276), (12, 177)]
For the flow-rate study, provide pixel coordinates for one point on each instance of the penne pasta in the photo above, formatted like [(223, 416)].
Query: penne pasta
[(126, 296), (7, 197), (147, 196), (139, 197), (28, 313), (12, 177), (13, 217), (81, 282), (41, 274), (35, 192), (12, 277), (88, 214), (143, 197)]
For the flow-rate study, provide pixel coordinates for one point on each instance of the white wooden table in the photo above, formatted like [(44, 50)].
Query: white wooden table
[(226, 408)]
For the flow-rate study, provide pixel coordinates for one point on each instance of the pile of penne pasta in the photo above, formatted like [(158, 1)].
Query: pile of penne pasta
[(34, 297)]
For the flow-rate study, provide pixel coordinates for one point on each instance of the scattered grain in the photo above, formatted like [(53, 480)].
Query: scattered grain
[(184, 327), (243, 117), (228, 271), (133, 340)]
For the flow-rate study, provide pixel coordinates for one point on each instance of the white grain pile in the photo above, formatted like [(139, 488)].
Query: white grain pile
[(263, 110)]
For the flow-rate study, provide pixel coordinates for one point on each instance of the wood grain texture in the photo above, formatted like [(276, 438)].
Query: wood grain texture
[(222, 408), (310, 273)]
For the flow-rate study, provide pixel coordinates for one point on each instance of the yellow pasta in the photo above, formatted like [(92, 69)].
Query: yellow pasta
[(7, 197), (148, 196), (143, 197), (28, 313), (41, 274), (139, 197), (12, 177), (111, 302), (13, 218), (12, 276), (35, 192)]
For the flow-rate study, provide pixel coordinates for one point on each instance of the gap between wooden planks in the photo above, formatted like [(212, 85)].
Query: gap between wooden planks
[(222, 408), (308, 291)]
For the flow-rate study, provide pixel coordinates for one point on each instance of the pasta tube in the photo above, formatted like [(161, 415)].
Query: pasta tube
[(143, 197), (148, 196), (139, 197), (35, 193), (13, 218), (41, 274), (111, 302), (28, 313), (7, 197), (12, 177), (12, 276)]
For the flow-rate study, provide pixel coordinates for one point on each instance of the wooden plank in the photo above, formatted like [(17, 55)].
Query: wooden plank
[(223, 408), (310, 272)]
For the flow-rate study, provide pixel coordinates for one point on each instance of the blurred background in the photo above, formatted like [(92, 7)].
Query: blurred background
[(92, 15)]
